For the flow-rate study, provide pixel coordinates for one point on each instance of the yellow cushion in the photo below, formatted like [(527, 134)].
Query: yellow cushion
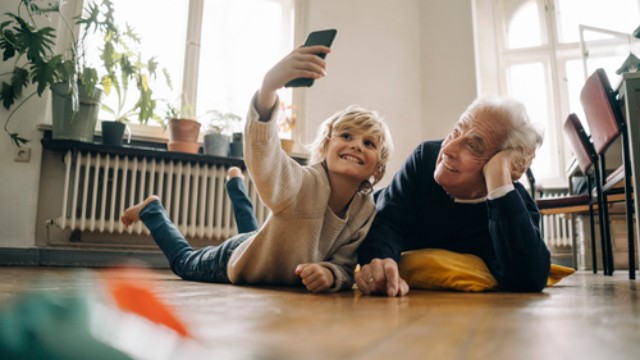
[(437, 269), (558, 272)]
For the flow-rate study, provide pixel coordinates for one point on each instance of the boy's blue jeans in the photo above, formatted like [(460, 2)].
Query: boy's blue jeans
[(242, 206), (208, 264)]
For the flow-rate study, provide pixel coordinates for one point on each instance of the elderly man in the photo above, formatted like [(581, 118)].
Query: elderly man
[(460, 194)]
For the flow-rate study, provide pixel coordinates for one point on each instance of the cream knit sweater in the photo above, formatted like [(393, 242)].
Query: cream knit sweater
[(301, 228)]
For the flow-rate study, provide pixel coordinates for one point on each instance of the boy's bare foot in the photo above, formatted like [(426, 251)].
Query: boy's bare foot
[(234, 172), (132, 214)]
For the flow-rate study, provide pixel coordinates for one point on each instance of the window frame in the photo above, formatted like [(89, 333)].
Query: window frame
[(493, 58), (191, 53)]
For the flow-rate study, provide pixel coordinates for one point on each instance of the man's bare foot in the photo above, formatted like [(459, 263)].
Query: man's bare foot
[(234, 172), (132, 214)]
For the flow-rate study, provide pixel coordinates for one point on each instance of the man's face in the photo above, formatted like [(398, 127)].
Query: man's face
[(464, 152)]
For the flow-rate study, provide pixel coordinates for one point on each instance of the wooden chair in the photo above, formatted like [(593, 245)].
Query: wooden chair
[(606, 123), (581, 203)]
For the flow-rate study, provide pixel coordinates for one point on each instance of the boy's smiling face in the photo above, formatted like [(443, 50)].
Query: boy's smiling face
[(354, 154)]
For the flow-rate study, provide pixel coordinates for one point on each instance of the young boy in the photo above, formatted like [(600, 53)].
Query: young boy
[(319, 213)]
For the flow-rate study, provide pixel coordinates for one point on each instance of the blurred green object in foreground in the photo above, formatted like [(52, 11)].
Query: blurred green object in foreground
[(38, 325)]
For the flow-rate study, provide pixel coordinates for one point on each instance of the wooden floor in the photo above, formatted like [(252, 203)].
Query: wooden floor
[(586, 316)]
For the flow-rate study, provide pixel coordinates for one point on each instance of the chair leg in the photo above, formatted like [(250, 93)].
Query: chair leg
[(572, 236), (603, 241), (629, 204), (630, 237), (592, 227), (607, 234), (602, 218)]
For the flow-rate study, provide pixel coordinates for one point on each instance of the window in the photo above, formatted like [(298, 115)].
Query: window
[(536, 45), (216, 51)]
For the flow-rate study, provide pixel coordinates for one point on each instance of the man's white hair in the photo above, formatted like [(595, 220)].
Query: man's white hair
[(524, 136)]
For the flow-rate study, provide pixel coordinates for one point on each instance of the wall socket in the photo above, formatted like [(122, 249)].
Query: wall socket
[(22, 154)]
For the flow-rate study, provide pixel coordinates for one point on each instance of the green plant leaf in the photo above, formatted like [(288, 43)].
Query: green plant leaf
[(75, 96), (90, 18), (108, 109), (152, 66), (66, 70), (143, 82), (129, 33), (44, 74), (90, 78), (108, 57), (8, 41), (106, 84), (7, 95), (128, 69), (167, 78), (19, 80), (17, 139), (37, 44), (146, 106)]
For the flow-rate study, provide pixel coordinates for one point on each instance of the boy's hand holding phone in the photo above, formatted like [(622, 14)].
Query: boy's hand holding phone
[(321, 37), (299, 68), (300, 63)]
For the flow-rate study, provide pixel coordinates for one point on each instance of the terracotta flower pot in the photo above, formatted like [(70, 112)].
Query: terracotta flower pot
[(183, 135), (182, 146), (183, 130), (287, 145)]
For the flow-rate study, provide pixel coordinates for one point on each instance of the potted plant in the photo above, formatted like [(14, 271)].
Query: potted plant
[(123, 66), (75, 97), (236, 145), (219, 125), (183, 129)]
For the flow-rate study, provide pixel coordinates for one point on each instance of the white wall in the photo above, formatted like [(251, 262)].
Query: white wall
[(375, 63), (411, 60), (19, 181), (448, 66)]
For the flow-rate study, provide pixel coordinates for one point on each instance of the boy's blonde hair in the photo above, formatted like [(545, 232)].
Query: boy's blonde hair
[(355, 117)]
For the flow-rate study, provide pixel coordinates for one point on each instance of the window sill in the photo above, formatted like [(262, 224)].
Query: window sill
[(140, 146), (143, 133), (137, 147)]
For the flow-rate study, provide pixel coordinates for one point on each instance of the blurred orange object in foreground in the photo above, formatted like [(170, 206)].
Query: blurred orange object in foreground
[(132, 294)]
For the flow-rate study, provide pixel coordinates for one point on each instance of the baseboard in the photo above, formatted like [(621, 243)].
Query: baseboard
[(80, 257)]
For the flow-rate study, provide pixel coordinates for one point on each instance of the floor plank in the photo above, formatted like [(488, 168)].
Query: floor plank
[(585, 316)]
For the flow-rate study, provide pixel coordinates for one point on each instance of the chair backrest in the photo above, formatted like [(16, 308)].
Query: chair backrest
[(582, 147), (603, 114)]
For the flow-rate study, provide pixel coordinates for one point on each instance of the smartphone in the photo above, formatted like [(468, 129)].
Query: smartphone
[(320, 37)]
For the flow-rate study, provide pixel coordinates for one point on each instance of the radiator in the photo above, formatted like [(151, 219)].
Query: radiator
[(557, 229), (99, 187)]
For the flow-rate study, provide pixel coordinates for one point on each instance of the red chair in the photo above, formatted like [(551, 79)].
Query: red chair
[(577, 204), (607, 123)]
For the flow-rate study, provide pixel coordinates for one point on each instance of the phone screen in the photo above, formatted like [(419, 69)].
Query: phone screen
[(321, 37)]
